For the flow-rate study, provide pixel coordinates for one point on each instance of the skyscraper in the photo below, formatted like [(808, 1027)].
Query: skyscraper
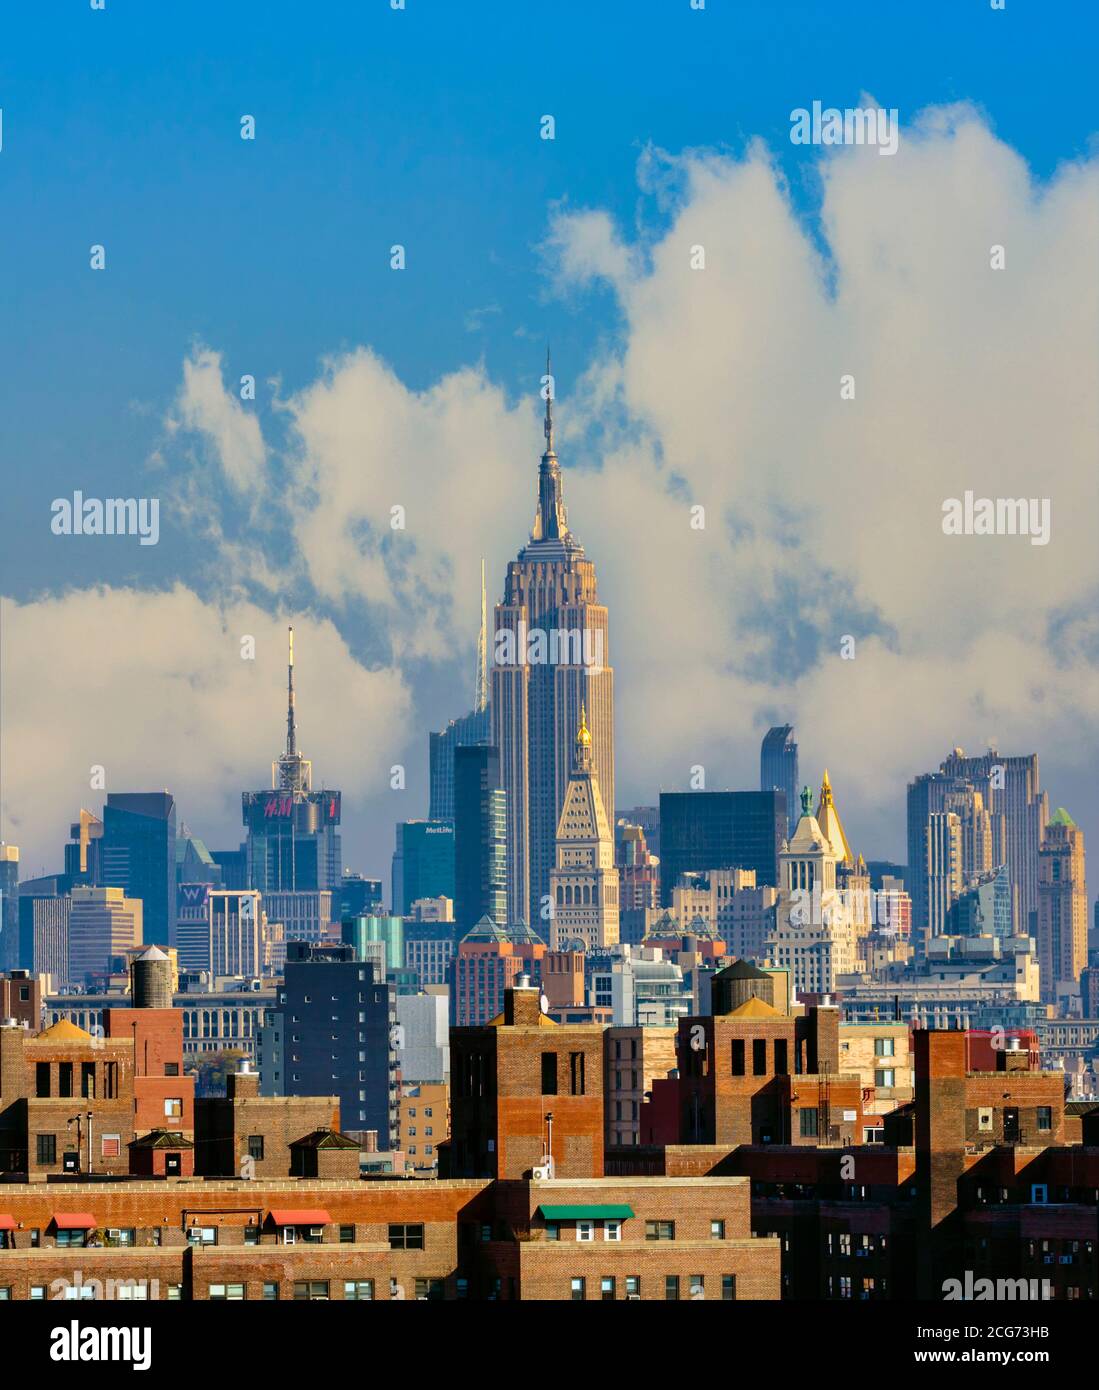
[(137, 853), (814, 934), (778, 768), (235, 926), (423, 863), (474, 728), (1017, 813), (103, 924), (584, 880), (1062, 907), (720, 830), (942, 868), (9, 907), (550, 655), (336, 1018), (293, 839), (480, 838)]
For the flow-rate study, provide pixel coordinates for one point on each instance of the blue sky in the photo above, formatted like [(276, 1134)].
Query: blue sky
[(121, 127)]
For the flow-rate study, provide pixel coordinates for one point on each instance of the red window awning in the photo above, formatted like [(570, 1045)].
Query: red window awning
[(304, 1217), (74, 1220), (7, 1223)]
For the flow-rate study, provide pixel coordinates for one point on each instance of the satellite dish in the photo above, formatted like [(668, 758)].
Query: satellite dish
[(544, 1004)]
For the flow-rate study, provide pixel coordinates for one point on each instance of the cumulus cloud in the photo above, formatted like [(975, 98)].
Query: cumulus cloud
[(153, 688), (823, 515), (720, 390)]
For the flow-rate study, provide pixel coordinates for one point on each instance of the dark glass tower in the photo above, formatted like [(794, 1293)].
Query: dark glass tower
[(137, 852), (778, 768), (480, 839), (471, 729), (423, 863), (720, 830)]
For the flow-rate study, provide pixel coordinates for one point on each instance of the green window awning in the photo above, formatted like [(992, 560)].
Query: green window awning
[(609, 1211)]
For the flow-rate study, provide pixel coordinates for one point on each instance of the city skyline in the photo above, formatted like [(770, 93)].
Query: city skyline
[(400, 389)]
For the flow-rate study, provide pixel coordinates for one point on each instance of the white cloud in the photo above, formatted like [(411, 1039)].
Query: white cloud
[(823, 516), (152, 686)]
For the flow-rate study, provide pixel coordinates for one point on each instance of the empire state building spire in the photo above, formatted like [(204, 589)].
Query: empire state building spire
[(551, 520)]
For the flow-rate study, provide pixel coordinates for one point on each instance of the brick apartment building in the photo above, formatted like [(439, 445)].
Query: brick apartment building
[(985, 1171), (71, 1102)]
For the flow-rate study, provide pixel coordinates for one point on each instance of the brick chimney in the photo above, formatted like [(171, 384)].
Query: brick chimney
[(242, 1084), (522, 1004)]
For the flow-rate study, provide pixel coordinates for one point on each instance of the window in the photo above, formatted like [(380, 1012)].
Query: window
[(311, 1290), (738, 1057), (984, 1118), (38, 1293), (585, 1230), (87, 1080), (359, 1290), (110, 1145), (173, 1107), (251, 1235), (696, 1287), (782, 1060), (233, 1293), (576, 1073), (255, 1146), (406, 1237), (1045, 1117), (884, 1047), (171, 1068), (42, 1080), (429, 1290), (124, 1235), (759, 1057), (578, 1294), (270, 1292), (660, 1230), (606, 1288), (671, 1288), (202, 1235), (717, 1230), (47, 1148), (612, 1230), (549, 1073), (175, 1293), (347, 1235), (71, 1238), (728, 1288), (64, 1078), (885, 1078), (809, 1122), (553, 1231), (633, 1286)]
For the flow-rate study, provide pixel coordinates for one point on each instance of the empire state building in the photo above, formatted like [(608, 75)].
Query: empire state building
[(551, 659)]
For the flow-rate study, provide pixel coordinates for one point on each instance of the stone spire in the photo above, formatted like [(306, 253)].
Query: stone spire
[(551, 520)]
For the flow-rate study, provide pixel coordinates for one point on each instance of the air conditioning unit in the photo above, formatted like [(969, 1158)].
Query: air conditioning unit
[(316, 1231), (542, 1172), (633, 1298), (113, 1233)]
